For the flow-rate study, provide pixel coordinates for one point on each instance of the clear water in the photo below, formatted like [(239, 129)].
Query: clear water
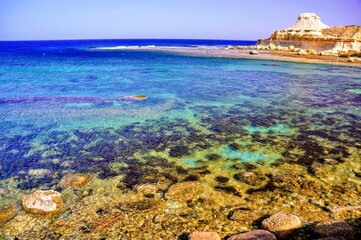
[(196, 106)]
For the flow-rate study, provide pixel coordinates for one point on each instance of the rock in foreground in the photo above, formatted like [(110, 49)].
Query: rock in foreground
[(334, 229), (204, 236), (43, 202), (282, 224), (254, 235)]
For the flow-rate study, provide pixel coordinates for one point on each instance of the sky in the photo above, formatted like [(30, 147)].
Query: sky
[(167, 19)]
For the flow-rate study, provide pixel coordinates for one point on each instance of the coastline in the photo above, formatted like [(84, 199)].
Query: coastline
[(272, 55)]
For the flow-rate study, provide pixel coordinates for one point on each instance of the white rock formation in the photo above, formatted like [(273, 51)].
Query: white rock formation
[(310, 33), (308, 21)]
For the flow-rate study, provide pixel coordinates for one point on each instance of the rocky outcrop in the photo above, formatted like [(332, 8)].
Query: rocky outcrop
[(43, 202), (310, 33)]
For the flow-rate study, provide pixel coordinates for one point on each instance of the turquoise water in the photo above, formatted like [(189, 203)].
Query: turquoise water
[(66, 104)]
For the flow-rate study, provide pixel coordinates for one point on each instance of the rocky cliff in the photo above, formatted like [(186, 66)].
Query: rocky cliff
[(310, 33)]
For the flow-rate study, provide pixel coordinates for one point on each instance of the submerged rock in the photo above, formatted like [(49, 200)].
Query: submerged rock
[(247, 177), (146, 189), (204, 236), (39, 173), (43, 202), (77, 180), (134, 98), (334, 229), (184, 191), (282, 224), (254, 235)]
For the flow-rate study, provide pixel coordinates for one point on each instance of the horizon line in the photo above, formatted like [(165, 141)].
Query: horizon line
[(83, 39)]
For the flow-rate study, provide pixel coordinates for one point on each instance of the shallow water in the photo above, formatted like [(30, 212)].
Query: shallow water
[(200, 113)]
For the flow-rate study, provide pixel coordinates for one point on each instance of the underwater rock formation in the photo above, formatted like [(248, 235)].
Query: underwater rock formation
[(74, 180), (310, 33), (43, 202)]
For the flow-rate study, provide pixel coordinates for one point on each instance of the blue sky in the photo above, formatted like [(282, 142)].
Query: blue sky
[(184, 19)]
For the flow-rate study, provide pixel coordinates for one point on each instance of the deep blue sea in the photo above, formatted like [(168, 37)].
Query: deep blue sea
[(64, 101)]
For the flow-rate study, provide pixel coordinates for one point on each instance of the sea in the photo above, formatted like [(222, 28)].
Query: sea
[(145, 117)]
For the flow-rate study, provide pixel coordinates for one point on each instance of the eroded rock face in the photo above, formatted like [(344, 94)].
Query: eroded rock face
[(334, 229), (204, 236), (255, 234), (77, 180), (43, 202), (310, 33), (282, 224)]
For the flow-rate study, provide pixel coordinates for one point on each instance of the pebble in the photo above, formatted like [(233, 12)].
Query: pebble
[(204, 236), (43, 202), (282, 224), (334, 229), (254, 235)]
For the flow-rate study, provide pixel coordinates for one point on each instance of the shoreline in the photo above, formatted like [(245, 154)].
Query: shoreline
[(270, 55)]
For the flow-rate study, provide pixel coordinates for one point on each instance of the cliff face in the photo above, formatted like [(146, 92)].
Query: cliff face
[(310, 33)]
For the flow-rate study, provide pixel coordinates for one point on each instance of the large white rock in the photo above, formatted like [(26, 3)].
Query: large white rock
[(43, 202), (308, 21)]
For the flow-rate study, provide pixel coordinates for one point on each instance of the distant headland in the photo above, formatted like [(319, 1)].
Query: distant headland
[(309, 34)]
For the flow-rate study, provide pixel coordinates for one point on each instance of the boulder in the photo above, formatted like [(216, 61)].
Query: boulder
[(76, 181), (301, 52), (254, 235), (271, 47), (342, 53), (43, 202), (204, 236), (334, 229), (282, 224)]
